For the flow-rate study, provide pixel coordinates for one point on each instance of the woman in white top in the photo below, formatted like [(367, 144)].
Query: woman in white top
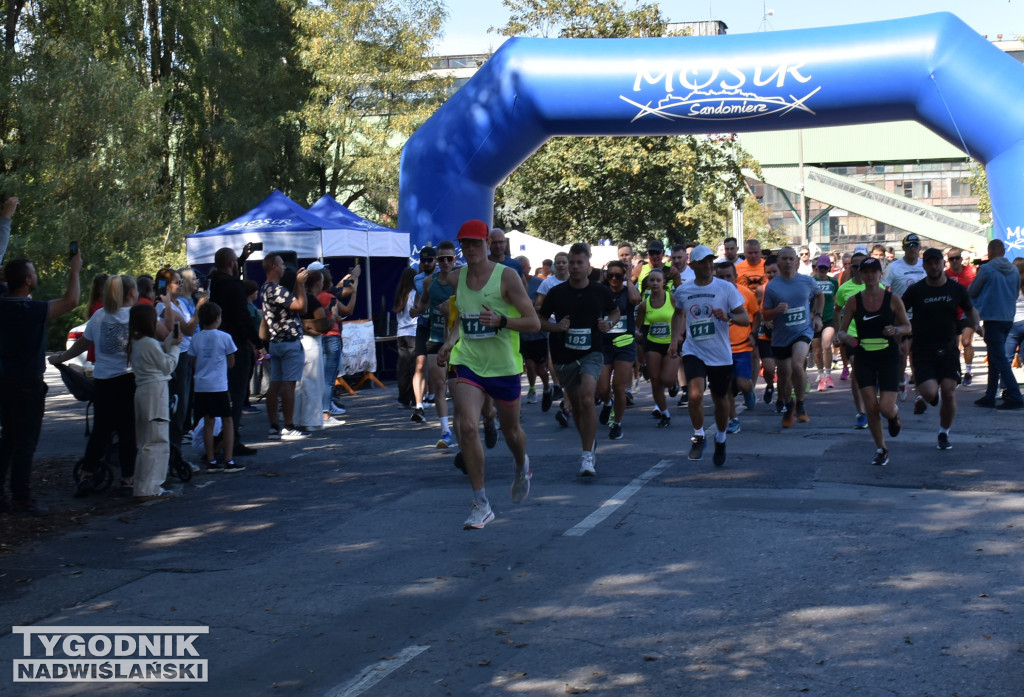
[(107, 331)]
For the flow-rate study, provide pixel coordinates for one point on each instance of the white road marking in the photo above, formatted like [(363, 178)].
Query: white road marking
[(371, 675), (609, 506)]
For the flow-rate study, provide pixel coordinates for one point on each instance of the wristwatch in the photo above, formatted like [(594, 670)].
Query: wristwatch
[(504, 322)]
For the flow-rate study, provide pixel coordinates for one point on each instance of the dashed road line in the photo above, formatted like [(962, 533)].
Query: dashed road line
[(609, 506)]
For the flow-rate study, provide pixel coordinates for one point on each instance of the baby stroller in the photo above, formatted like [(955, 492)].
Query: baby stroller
[(83, 388)]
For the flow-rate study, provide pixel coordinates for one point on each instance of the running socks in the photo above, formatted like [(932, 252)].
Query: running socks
[(719, 436), (480, 497)]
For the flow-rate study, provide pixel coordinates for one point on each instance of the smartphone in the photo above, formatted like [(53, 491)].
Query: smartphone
[(177, 330), (72, 250), (161, 287)]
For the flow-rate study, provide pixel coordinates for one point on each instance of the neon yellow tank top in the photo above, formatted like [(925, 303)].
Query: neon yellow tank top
[(658, 321), (487, 351)]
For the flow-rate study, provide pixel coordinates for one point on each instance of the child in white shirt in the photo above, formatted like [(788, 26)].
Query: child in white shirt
[(214, 353), (153, 365)]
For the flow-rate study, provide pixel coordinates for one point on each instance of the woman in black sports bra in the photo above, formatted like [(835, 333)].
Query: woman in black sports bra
[(880, 320)]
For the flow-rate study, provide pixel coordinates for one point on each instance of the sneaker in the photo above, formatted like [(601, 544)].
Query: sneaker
[(733, 427), (719, 457), (330, 421), (684, 399), (822, 385), (665, 421), (556, 392), (562, 417), (629, 398), (212, 466), (944, 443), (293, 433), (780, 407), (749, 400), (845, 375), (881, 458), (445, 441), (250, 409), (801, 414), (606, 413), (460, 463), (615, 432), (829, 383), (920, 406), (895, 425), (417, 416), (243, 450), (656, 413), (904, 392), (696, 448), (531, 396), (230, 467), (674, 390), (274, 434), (479, 516), (490, 433), (985, 402), (862, 422), (521, 483), (338, 410), (587, 465), (789, 417), (428, 399), (769, 392), (966, 382), (546, 399)]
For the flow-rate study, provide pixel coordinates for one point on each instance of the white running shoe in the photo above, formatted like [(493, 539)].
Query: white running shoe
[(587, 465), (293, 434), (521, 483), (331, 421), (479, 516)]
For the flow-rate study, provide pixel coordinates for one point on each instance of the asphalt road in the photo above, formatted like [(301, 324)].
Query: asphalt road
[(338, 565)]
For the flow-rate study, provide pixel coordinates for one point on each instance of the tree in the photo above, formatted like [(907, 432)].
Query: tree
[(368, 62), (679, 188)]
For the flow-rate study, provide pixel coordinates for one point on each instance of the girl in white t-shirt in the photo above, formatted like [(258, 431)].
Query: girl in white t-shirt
[(153, 364)]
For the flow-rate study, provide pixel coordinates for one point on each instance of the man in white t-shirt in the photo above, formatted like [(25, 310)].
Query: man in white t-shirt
[(898, 276), (705, 307)]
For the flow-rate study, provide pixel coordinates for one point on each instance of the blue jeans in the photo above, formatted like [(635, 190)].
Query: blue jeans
[(996, 336), (1015, 341), (332, 364)]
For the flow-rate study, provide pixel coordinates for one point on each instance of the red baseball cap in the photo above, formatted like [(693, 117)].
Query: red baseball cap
[(474, 230)]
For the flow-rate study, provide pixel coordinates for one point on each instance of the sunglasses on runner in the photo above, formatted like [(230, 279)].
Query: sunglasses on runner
[(446, 258), (618, 276)]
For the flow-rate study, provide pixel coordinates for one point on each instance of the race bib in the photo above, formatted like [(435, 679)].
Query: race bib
[(436, 326), (659, 330), (796, 316), (578, 339), (702, 329), (619, 327), (473, 328)]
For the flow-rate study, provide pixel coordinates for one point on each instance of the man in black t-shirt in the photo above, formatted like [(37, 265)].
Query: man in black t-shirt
[(934, 303), (583, 310), (22, 364)]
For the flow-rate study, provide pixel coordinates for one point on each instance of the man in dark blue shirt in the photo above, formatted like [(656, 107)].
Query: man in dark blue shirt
[(22, 364)]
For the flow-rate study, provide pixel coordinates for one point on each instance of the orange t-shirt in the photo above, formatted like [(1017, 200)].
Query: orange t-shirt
[(740, 336), (750, 276)]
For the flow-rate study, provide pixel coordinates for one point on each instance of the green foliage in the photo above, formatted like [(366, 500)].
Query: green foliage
[(979, 185), (678, 188)]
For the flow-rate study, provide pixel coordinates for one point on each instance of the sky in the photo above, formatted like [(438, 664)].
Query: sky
[(466, 29)]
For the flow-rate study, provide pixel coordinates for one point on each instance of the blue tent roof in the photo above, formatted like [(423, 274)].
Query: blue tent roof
[(277, 221), (377, 241)]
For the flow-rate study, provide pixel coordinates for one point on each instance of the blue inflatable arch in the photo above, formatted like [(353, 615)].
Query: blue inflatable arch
[(933, 69)]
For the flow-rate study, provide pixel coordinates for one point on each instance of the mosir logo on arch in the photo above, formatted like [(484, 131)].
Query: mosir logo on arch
[(707, 91), (110, 654)]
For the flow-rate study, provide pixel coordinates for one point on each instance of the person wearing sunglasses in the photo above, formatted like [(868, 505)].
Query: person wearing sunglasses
[(655, 260), (619, 348), (898, 276), (436, 290), (881, 319), (964, 275), (482, 349)]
